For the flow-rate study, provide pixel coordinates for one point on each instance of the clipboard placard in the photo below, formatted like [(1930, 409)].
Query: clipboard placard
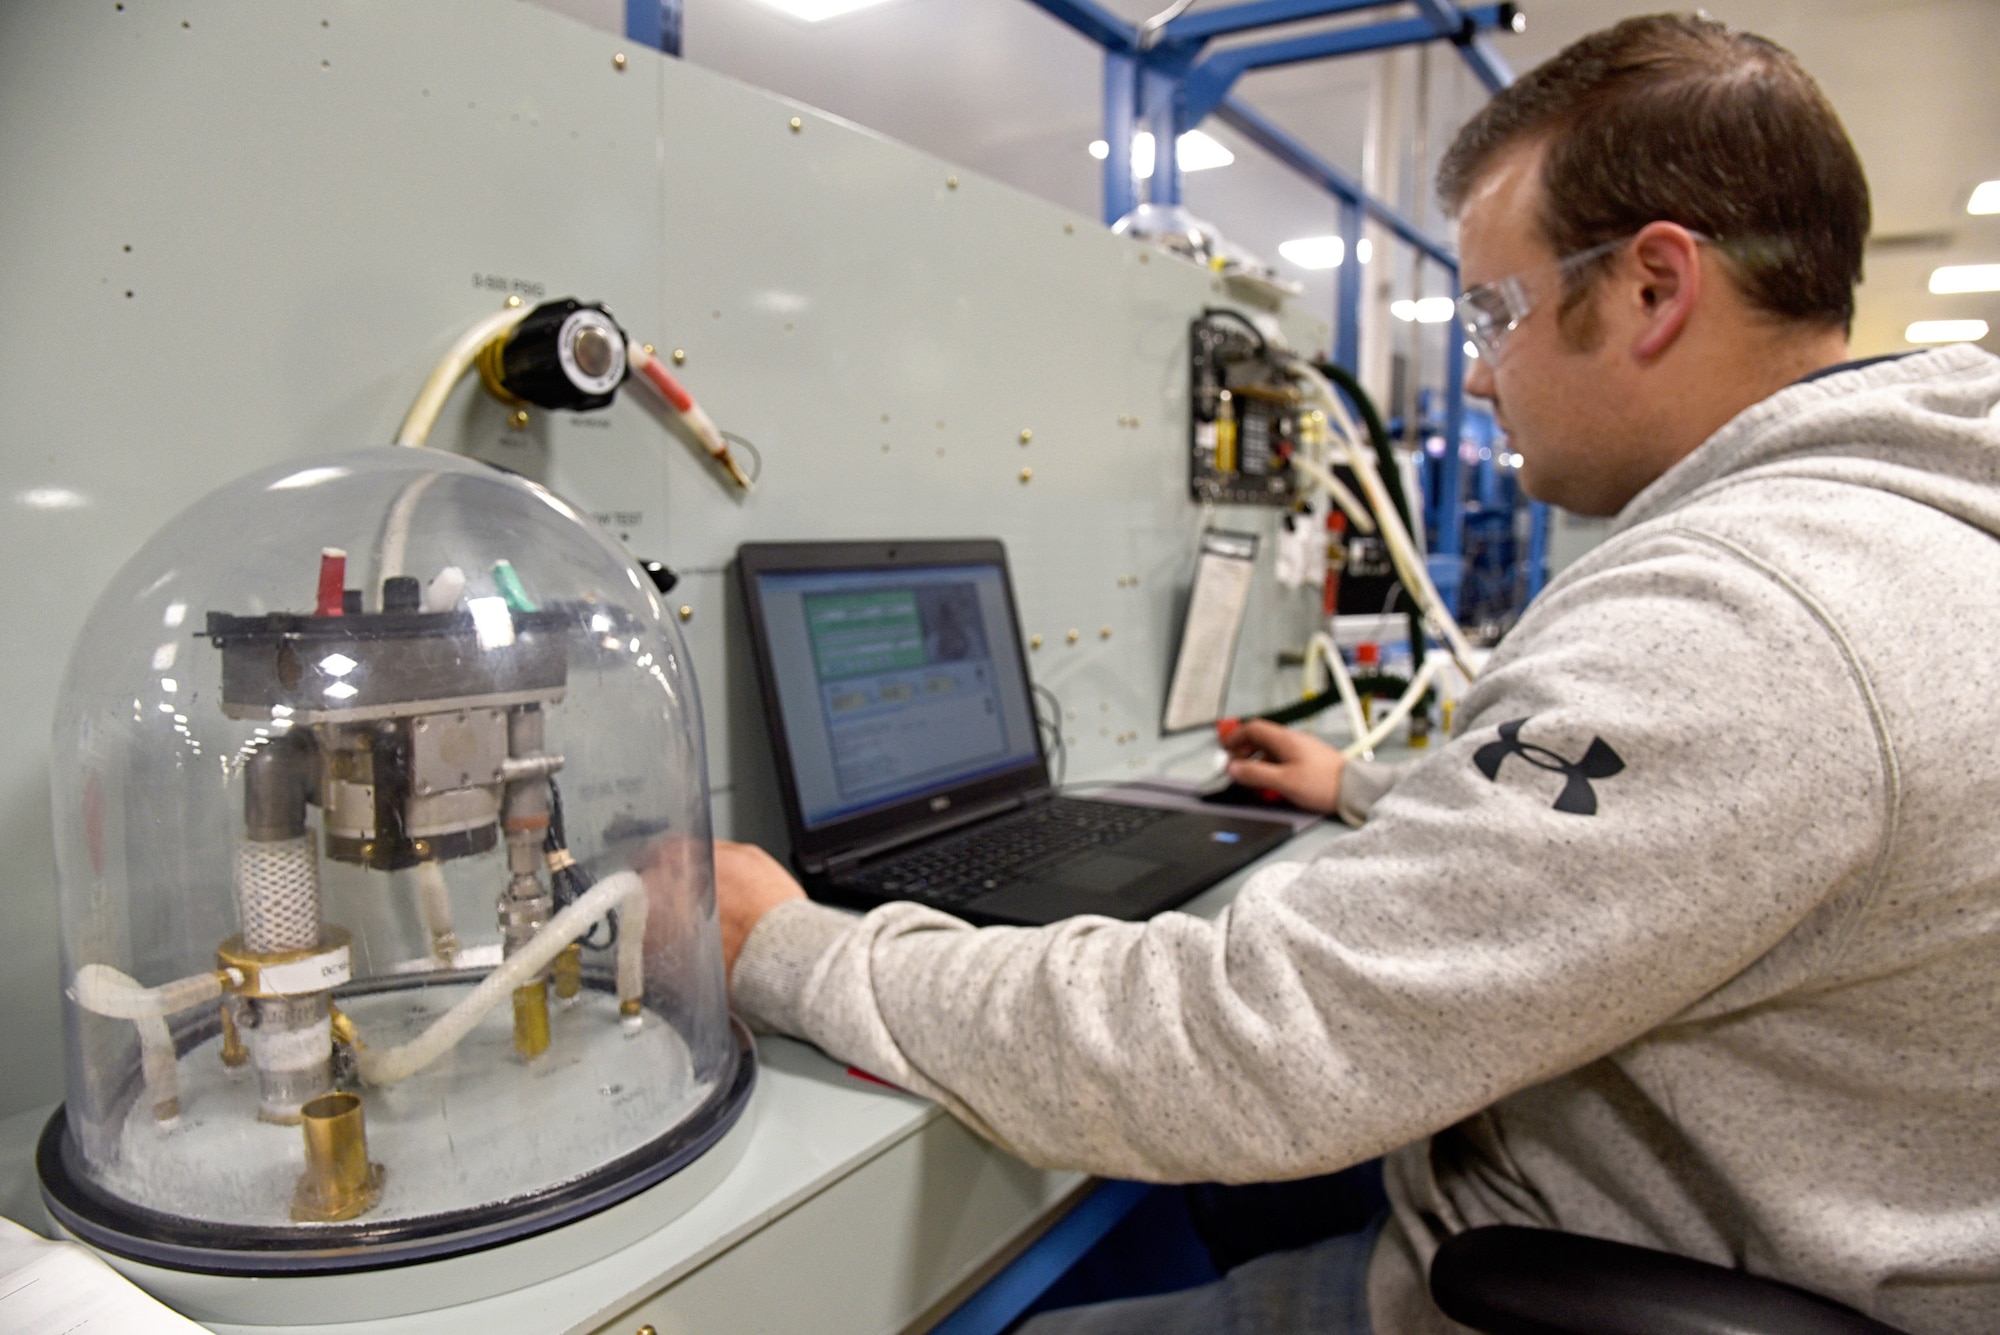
[(1221, 595)]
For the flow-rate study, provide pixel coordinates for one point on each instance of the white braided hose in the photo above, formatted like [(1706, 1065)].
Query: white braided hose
[(621, 890), (103, 990)]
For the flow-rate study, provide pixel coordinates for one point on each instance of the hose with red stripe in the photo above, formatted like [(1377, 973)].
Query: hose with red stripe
[(676, 396)]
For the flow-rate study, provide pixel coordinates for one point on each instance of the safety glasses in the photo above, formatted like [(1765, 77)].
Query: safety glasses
[(1494, 310)]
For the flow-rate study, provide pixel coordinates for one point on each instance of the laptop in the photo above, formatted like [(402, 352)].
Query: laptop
[(909, 755)]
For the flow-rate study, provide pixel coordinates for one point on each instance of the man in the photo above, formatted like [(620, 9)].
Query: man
[(1691, 937)]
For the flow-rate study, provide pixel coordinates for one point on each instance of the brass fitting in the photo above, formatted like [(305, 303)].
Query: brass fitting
[(234, 1054), (339, 1182), (531, 1019), (569, 972), (628, 1009)]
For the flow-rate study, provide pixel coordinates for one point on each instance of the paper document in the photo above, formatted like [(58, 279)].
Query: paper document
[(61, 1288), (1208, 638)]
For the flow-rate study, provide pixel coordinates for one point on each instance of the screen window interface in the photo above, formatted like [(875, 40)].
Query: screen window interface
[(894, 683)]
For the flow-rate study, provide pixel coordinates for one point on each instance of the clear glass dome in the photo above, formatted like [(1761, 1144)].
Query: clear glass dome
[(388, 914)]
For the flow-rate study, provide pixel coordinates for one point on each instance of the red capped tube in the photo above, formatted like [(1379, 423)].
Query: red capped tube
[(332, 580)]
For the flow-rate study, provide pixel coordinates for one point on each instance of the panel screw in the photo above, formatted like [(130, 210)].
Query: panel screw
[(618, 61), (797, 125), (519, 418), (1027, 473), (512, 302), (680, 356), (1074, 637), (951, 183), (687, 613), (1034, 641), (1026, 435), (645, 1330), (1069, 229), (649, 348), (1104, 634)]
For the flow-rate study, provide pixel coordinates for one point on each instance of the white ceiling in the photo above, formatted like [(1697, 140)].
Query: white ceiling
[(999, 87)]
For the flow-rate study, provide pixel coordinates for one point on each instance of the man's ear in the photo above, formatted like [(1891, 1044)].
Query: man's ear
[(1669, 263)]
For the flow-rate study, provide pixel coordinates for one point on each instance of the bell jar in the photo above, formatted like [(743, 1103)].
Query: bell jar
[(388, 913)]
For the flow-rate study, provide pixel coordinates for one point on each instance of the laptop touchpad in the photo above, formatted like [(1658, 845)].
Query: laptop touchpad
[(1104, 873)]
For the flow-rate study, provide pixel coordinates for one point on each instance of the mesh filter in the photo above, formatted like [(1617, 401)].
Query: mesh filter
[(277, 895)]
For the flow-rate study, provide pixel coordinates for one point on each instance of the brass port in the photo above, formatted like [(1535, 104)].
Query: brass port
[(339, 1182), (531, 1019), (233, 1052), (628, 1009), (569, 972)]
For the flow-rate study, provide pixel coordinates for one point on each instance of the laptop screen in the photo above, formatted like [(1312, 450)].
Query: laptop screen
[(893, 684)]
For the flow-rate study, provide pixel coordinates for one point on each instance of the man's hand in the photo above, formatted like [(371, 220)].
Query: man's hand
[(1302, 767), (748, 884)]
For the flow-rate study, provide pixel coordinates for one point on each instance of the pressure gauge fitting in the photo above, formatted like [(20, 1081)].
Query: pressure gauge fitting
[(565, 355)]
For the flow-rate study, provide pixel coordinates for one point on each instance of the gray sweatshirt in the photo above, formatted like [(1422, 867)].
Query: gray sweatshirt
[(1689, 938)]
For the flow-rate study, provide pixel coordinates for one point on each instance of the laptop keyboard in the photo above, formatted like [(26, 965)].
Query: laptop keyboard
[(948, 872)]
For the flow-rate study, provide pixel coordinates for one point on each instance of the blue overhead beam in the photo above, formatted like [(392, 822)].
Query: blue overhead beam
[(1210, 81), (1280, 144), (655, 23), (1461, 29)]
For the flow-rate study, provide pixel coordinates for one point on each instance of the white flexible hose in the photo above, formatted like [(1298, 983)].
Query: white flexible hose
[(1323, 478), (434, 899), (444, 377), (1322, 645), (105, 991), (621, 890), (1365, 745), (1402, 551)]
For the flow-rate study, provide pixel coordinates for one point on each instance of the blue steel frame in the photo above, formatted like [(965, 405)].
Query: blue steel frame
[(1161, 82)]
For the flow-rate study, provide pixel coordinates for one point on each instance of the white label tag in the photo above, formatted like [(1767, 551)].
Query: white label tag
[(315, 973)]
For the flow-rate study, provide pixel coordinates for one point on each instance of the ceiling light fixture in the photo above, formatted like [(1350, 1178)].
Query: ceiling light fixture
[(1195, 151), (1314, 252), (1966, 278), (1985, 198), (814, 11), (1945, 331)]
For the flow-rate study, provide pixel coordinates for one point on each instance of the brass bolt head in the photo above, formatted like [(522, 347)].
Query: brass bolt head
[(951, 183), (1026, 435), (797, 125), (618, 61), (1104, 634), (1034, 641), (518, 418), (687, 613), (1027, 473), (680, 356), (513, 302), (1074, 636)]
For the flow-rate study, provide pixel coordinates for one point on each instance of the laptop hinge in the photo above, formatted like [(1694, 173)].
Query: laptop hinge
[(852, 857)]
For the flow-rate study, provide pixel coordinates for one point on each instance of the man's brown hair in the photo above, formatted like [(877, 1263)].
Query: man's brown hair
[(1676, 118)]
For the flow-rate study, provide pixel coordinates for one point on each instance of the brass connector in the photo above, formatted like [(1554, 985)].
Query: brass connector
[(569, 972), (531, 1019), (343, 1028), (339, 1182), (234, 1054), (628, 1009)]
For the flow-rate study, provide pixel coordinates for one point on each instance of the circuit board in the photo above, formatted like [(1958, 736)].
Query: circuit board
[(1243, 418)]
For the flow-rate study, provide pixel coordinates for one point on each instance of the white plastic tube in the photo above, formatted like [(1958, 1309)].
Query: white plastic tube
[(1365, 745), (103, 990), (1323, 478), (621, 890), (1321, 645), (423, 414), (1402, 551), (434, 899)]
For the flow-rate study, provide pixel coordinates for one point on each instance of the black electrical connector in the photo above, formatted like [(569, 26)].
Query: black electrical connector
[(663, 578), (564, 355)]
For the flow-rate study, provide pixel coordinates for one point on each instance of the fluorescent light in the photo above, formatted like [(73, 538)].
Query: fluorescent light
[(1435, 310), (1405, 311), (1314, 252), (52, 498), (1194, 151), (1364, 250), (1945, 331), (1966, 278), (813, 11), (1985, 198), (1471, 353)]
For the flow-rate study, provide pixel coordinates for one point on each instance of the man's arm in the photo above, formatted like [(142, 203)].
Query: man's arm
[(1610, 839)]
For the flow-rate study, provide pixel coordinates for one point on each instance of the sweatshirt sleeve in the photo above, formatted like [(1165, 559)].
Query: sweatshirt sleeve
[(1362, 784), (1670, 765)]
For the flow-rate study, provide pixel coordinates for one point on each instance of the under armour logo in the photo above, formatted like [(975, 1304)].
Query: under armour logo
[(1577, 798)]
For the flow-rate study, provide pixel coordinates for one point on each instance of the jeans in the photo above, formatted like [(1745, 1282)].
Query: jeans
[(1317, 1290)]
